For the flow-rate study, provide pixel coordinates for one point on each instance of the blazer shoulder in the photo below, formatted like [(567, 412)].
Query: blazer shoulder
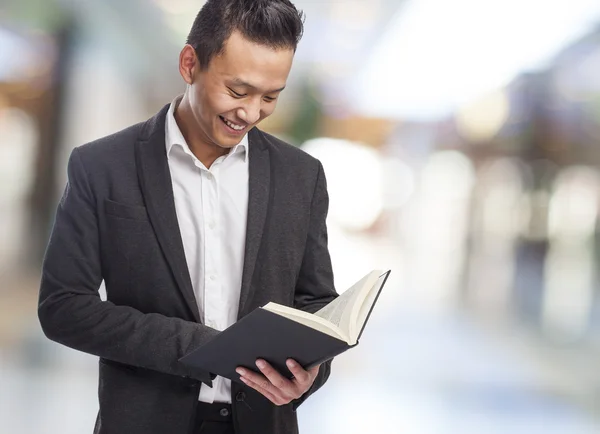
[(112, 146), (289, 153)]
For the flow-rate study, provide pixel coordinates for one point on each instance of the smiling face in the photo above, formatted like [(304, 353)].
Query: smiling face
[(238, 89)]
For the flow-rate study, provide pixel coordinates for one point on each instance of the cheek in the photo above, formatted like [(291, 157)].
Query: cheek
[(268, 109), (221, 104), (200, 104)]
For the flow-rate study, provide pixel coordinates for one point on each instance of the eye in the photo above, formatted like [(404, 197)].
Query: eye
[(235, 94), (269, 99)]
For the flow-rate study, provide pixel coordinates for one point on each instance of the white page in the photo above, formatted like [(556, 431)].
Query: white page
[(307, 319), (361, 312), (338, 312)]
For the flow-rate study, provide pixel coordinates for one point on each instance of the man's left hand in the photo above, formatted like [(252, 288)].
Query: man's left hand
[(274, 386)]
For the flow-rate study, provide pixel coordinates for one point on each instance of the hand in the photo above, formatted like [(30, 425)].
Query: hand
[(274, 386)]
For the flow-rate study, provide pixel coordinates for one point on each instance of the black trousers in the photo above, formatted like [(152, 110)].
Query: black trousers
[(213, 419)]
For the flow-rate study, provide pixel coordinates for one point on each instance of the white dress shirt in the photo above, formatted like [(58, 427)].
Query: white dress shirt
[(211, 206)]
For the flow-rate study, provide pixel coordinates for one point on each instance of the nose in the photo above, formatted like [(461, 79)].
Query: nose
[(250, 112)]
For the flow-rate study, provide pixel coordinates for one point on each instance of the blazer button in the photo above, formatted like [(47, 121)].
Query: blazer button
[(240, 396), (224, 412)]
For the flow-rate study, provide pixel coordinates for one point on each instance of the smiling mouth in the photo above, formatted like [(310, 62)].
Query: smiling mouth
[(231, 125)]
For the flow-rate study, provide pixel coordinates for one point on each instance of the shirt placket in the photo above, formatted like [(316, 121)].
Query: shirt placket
[(211, 276)]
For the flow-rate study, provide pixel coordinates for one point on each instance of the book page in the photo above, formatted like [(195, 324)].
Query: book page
[(339, 311), (307, 319), (361, 311), (334, 311)]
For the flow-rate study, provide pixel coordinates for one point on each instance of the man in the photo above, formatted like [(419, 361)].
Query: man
[(193, 219)]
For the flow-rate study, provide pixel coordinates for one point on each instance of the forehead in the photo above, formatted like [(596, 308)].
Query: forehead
[(263, 67)]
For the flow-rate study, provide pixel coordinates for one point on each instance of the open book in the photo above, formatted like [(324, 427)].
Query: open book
[(276, 333), (345, 317)]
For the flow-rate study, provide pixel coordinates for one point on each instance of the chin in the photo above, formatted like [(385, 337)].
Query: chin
[(225, 142), (227, 146)]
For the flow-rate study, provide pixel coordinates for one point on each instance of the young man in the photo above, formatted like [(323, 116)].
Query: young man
[(193, 219)]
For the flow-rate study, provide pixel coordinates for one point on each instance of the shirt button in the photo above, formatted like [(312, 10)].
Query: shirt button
[(213, 277), (224, 412), (211, 225)]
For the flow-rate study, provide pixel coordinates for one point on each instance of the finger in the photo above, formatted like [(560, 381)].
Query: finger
[(257, 379), (264, 392), (277, 380), (300, 375), (314, 371), (261, 381)]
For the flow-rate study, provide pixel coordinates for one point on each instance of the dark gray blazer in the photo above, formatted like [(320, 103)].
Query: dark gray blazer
[(116, 221)]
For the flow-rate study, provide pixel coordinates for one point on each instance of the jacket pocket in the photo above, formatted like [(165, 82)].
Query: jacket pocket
[(120, 210)]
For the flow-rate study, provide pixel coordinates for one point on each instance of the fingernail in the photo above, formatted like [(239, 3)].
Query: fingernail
[(240, 371), (260, 364), (291, 364)]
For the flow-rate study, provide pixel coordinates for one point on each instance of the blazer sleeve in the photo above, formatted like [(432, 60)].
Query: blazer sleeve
[(70, 309), (315, 287)]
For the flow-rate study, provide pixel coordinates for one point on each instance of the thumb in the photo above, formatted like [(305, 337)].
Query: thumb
[(314, 370)]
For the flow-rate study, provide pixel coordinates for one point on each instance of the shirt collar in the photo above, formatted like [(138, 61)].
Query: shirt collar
[(173, 135)]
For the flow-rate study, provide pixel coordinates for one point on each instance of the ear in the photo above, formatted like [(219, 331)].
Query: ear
[(188, 63)]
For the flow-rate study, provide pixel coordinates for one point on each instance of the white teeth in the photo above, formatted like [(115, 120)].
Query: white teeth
[(234, 126)]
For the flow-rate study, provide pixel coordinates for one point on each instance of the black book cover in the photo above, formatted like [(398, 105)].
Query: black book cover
[(265, 335)]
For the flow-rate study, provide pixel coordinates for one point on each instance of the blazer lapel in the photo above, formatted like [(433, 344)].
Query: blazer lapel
[(155, 181), (258, 198)]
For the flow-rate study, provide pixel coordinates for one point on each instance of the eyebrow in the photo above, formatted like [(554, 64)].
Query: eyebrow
[(240, 82)]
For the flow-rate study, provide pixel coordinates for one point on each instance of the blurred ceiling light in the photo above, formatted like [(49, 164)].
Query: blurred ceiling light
[(398, 183), (570, 266), (179, 7), (445, 187), (502, 186), (481, 120), (436, 55), (448, 176), (439, 226), (574, 204), (354, 180)]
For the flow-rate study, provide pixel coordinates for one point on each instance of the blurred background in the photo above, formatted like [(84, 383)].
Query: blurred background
[(461, 141)]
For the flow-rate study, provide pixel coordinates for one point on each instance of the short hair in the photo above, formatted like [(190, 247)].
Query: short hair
[(273, 23)]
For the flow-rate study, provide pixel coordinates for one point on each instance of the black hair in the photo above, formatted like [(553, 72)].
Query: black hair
[(274, 23)]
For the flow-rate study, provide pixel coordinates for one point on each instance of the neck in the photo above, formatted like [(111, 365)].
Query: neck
[(204, 150)]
